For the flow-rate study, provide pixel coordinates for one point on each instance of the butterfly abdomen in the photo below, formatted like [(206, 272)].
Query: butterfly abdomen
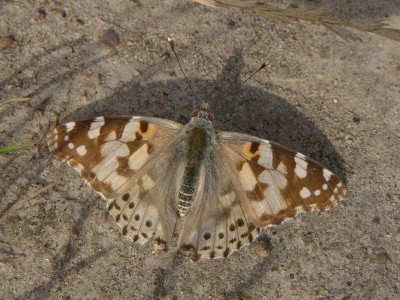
[(197, 143), (188, 189)]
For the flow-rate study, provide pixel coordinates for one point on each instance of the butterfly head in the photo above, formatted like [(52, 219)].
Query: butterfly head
[(203, 112)]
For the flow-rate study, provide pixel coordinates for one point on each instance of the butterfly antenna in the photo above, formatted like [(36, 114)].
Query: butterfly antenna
[(251, 76), (247, 79), (171, 42)]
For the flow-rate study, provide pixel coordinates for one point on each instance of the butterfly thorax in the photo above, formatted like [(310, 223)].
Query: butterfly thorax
[(199, 134)]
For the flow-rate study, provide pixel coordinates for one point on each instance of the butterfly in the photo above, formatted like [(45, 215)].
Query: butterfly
[(219, 188)]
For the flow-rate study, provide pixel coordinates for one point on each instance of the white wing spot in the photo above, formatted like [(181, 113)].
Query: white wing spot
[(69, 126), (123, 150), (305, 193), (71, 146), (282, 168), (77, 167), (115, 180), (327, 174), (147, 182), (266, 156), (280, 179), (94, 130), (115, 148), (317, 192), (129, 133), (300, 155), (227, 199), (55, 145), (325, 187), (110, 147), (105, 167), (81, 150), (247, 178), (139, 158), (274, 199), (111, 136), (66, 138), (301, 167)]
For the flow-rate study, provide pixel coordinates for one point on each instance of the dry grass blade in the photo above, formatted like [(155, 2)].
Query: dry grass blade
[(14, 100), (315, 15)]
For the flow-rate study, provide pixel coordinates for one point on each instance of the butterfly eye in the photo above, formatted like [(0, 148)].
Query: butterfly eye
[(211, 117), (195, 113)]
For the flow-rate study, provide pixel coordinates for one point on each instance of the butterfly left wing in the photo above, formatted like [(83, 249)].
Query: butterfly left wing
[(126, 160)]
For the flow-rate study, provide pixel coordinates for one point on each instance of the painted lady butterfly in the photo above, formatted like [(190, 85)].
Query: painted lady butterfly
[(222, 187)]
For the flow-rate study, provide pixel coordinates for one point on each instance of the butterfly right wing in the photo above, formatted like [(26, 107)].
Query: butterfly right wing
[(130, 162), (248, 183)]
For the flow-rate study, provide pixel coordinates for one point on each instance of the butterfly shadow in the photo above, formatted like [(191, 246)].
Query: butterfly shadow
[(247, 109)]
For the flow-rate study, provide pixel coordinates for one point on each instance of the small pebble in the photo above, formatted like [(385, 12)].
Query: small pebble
[(334, 100), (110, 37), (6, 42), (60, 13), (40, 14), (262, 248), (312, 139)]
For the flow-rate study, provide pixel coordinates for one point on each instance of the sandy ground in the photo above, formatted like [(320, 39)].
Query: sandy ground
[(335, 101)]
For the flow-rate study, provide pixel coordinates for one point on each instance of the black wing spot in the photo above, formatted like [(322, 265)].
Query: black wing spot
[(125, 197)]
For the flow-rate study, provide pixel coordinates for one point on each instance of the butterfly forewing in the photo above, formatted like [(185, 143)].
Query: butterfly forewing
[(278, 183), (109, 152)]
